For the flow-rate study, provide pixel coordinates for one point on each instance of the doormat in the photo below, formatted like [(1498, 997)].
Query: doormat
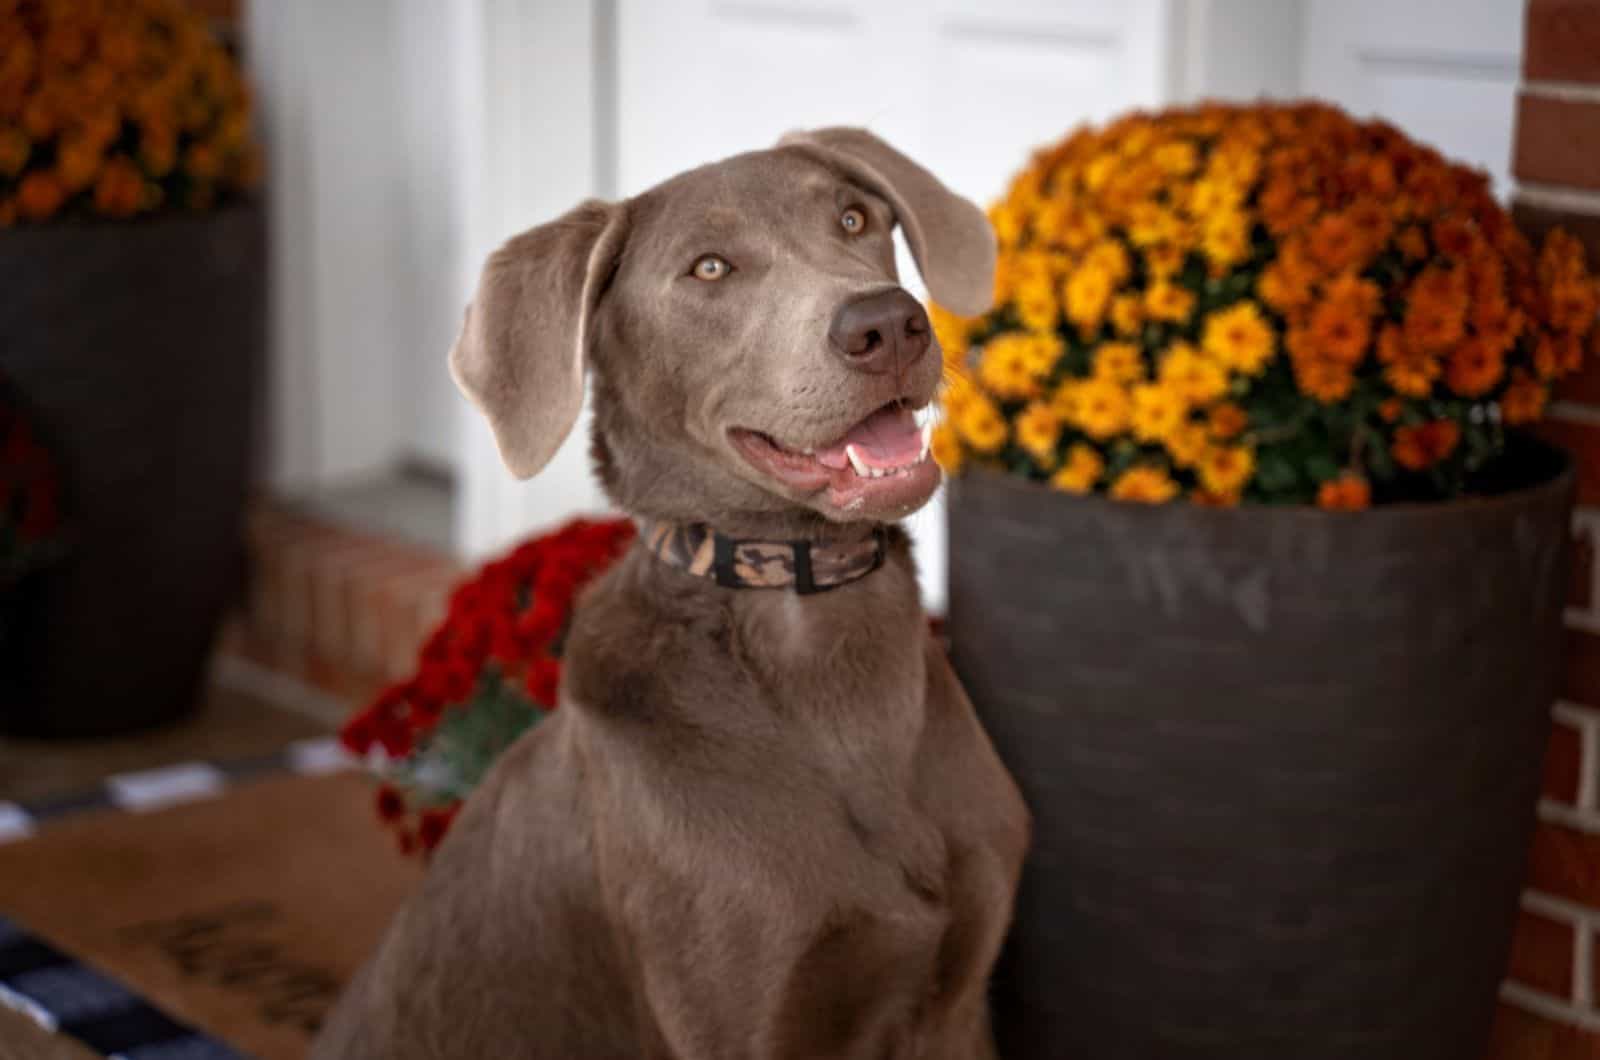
[(236, 919)]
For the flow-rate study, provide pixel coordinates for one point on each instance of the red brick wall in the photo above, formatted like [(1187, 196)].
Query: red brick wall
[(1551, 1007), (341, 610)]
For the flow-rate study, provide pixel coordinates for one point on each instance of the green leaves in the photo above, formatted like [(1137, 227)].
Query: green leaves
[(453, 758)]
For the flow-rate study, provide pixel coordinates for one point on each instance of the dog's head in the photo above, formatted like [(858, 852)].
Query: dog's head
[(755, 362)]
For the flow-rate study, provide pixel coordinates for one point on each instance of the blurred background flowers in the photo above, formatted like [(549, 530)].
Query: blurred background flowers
[(117, 108)]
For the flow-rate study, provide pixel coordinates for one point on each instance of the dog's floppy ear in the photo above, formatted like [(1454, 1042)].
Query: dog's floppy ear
[(520, 356), (949, 236)]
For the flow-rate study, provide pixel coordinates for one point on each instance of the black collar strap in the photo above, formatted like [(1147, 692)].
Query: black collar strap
[(807, 567)]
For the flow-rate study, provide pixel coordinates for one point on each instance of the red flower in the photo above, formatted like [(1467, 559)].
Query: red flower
[(434, 825), (541, 622), (543, 680), (395, 738), (359, 733), (504, 643), (425, 710), (391, 805), (437, 646)]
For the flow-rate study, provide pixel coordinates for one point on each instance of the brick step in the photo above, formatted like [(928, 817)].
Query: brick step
[(341, 609)]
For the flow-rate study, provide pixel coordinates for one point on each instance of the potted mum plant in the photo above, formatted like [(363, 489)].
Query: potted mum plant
[(133, 263), (1256, 581)]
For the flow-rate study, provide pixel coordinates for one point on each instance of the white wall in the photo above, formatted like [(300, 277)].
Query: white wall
[(360, 148), (1236, 49), (431, 251)]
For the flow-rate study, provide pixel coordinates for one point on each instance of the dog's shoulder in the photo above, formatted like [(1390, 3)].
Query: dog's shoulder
[(647, 645)]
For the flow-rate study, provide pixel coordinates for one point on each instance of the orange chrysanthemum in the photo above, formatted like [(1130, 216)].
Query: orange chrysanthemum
[(1347, 493), (1524, 400), (1326, 380), (1421, 447), (117, 109), (1339, 332), (1473, 368)]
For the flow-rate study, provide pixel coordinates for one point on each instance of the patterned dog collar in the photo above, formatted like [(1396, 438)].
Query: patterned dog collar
[(734, 564)]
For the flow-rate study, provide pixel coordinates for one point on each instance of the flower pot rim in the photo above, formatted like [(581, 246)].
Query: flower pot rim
[(243, 203), (1560, 481)]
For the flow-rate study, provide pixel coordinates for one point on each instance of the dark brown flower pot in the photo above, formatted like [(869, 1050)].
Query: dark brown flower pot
[(140, 346), (1282, 763)]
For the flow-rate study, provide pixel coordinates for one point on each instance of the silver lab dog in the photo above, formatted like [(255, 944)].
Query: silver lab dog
[(762, 823)]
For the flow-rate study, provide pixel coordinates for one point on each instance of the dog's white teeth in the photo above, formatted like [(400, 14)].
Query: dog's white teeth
[(927, 441), (856, 462)]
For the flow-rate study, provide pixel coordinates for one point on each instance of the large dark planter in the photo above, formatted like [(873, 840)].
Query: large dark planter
[(1282, 763), (140, 345)]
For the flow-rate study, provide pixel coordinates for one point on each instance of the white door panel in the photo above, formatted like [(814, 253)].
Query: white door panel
[(1443, 70)]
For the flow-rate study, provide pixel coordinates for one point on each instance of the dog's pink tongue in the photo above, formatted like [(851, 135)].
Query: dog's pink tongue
[(887, 438)]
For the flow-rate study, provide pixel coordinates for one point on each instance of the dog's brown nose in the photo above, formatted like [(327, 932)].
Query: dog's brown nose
[(880, 332)]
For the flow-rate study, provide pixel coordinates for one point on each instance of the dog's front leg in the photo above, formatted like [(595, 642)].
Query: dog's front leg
[(723, 978), (736, 943)]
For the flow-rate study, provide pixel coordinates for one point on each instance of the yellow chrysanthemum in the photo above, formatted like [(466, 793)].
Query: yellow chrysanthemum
[(1110, 257), (1010, 365), (1038, 429), (1079, 471), (1199, 379), (1127, 315), (1165, 261), (1121, 362), (1042, 349), (945, 445), (1212, 195), (1036, 305), (1158, 411), (1168, 302), (1145, 484), (1086, 295), (1151, 224), (1099, 408), (1240, 338), (951, 332), (1177, 158), (1226, 241), (980, 425), (1187, 444), (1225, 469)]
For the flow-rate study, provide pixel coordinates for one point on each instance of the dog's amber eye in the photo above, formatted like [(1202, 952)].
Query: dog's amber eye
[(853, 221), (711, 267)]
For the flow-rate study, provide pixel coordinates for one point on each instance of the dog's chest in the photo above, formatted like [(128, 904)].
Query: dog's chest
[(904, 933)]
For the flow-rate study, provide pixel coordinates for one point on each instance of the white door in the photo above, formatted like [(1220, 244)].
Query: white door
[(1445, 71)]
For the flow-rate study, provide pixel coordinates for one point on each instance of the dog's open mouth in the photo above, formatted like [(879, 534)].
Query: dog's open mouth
[(880, 466)]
